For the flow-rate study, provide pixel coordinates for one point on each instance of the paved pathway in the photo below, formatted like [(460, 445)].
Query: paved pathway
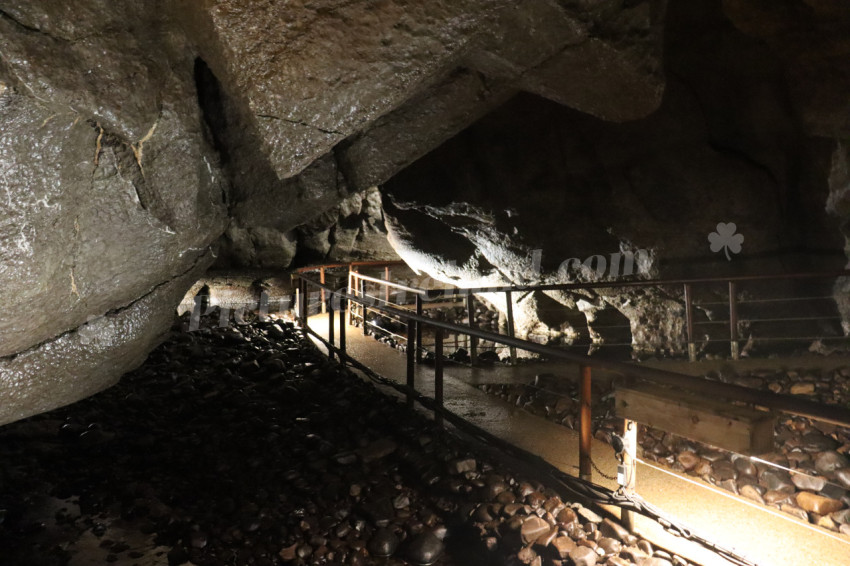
[(761, 534)]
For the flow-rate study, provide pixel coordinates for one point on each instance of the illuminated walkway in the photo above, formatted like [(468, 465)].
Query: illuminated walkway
[(763, 535)]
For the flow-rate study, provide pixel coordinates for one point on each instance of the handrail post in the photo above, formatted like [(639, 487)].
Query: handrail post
[(438, 376), (363, 305), (626, 475), (330, 309), (511, 331), (302, 302), (348, 313), (733, 320), (585, 425), (387, 287), (322, 281), (689, 323), (418, 329), (411, 359), (473, 340), (343, 305)]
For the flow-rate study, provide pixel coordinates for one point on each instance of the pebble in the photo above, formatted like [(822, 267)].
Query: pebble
[(817, 503), (610, 529), (425, 548), (533, 528), (688, 459), (803, 389), (383, 543), (610, 546), (792, 509), (843, 477), (723, 470), (808, 482), (567, 516), (583, 556), (773, 497), (776, 480), (752, 492), (816, 441), (377, 450), (462, 465), (527, 555), (589, 515), (745, 466), (829, 461), (634, 554)]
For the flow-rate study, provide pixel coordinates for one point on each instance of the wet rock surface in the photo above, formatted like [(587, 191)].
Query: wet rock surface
[(806, 475), (245, 446)]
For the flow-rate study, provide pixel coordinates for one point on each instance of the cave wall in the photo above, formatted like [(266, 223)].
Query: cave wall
[(142, 142), (111, 196), (735, 139)]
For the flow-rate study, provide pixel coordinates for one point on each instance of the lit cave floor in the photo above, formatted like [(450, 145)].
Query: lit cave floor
[(245, 446), (807, 475)]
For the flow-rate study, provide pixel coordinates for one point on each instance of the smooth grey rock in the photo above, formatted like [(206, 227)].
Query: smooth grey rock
[(425, 548), (808, 482), (829, 461), (383, 543)]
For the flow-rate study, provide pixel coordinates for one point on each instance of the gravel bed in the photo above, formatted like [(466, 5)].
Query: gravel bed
[(806, 475), (246, 446)]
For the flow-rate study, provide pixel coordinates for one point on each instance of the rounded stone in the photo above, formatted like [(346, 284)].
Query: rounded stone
[(425, 549), (808, 482), (383, 543), (533, 528), (567, 516), (610, 546), (829, 461), (817, 503)]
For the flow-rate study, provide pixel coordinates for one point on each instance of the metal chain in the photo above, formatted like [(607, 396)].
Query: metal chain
[(600, 472)]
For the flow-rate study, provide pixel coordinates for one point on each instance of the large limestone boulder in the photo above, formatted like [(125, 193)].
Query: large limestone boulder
[(111, 195), (135, 134)]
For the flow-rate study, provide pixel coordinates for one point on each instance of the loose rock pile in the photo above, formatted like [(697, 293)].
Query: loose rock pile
[(807, 475), (245, 446)]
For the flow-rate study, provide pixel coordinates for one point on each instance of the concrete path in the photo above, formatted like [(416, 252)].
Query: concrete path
[(763, 535)]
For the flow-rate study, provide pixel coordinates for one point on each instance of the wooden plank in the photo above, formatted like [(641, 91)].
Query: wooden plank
[(739, 429)]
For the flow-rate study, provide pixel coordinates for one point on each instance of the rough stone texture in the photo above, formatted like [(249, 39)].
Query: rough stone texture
[(347, 96), (129, 129), (81, 362), (132, 132), (726, 145), (334, 68), (111, 194)]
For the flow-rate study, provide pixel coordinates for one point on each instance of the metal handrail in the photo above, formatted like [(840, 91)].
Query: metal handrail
[(686, 283), (785, 403), (350, 264), (655, 282), (387, 283), (630, 502)]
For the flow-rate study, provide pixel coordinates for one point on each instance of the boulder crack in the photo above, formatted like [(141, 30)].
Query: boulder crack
[(117, 310), (301, 123)]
